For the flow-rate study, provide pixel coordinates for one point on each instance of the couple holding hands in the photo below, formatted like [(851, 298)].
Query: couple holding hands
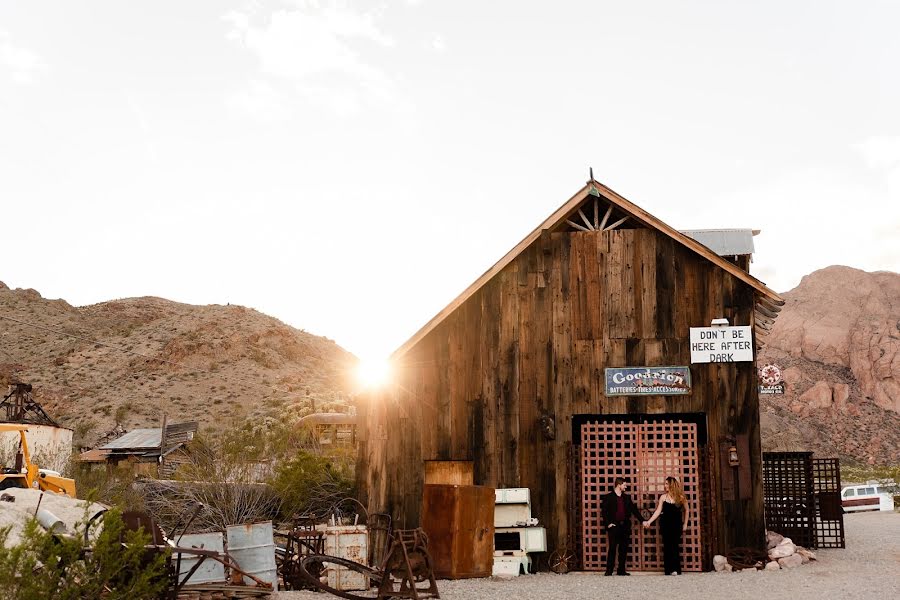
[(671, 510)]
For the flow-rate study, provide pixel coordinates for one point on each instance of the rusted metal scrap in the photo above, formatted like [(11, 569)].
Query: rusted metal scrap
[(406, 566), (179, 588), (301, 541)]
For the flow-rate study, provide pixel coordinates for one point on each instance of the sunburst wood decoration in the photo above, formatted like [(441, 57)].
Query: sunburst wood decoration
[(594, 208)]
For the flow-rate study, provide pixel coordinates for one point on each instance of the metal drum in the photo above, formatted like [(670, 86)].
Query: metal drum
[(252, 547), (211, 570)]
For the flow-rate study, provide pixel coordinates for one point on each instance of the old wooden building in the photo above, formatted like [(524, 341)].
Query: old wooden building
[(513, 376)]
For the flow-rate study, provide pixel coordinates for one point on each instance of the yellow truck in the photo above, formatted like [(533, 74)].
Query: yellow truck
[(25, 474)]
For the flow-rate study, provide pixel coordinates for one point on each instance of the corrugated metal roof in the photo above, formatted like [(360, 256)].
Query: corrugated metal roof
[(137, 438), (95, 455), (724, 242)]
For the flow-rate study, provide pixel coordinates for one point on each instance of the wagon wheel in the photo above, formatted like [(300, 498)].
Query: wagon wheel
[(560, 560), (293, 580), (308, 567), (746, 558)]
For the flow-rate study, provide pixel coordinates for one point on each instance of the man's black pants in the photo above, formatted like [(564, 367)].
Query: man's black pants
[(618, 538)]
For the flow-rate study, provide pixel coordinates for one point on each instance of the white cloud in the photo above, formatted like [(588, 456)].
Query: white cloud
[(260, 100), (882, 153), (313, 49), (23, 64), (438, 43)]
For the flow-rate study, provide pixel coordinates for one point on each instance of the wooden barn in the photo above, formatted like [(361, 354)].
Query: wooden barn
[(570, 362)]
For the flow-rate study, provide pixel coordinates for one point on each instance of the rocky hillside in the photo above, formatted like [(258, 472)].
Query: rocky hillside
[(122, 364), (837, 340)]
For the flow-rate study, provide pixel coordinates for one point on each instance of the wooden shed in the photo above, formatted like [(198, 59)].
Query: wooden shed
[(545, 373)]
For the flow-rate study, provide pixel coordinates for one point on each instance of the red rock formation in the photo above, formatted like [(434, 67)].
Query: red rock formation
[(849, 318), (837, 340)]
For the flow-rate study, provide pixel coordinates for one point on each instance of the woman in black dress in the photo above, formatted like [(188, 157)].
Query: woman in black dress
[(672, 513)]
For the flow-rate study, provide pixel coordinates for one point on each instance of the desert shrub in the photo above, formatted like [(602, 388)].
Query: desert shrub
[(122, 412), (229, 485), (44, 565), (113, 487), (82, 428), (309, 483), (217, 504)]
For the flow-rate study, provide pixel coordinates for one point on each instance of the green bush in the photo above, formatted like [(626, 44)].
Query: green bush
[(308, 483), (44, 565)]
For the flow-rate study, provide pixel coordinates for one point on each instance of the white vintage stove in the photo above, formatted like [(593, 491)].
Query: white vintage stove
[(516, 533)]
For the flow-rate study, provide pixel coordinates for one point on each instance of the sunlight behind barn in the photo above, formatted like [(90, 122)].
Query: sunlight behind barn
[(373, 372)]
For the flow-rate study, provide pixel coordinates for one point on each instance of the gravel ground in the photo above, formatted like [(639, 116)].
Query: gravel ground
[(868, 568)]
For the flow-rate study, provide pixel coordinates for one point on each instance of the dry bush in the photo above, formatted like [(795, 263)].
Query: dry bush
[(227, 486), (220, 503)]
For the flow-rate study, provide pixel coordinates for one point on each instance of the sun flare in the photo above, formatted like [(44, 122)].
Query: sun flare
[(373, 372)]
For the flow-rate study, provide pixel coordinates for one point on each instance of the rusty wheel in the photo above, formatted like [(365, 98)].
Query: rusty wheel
[(746, 558), (560, 560)]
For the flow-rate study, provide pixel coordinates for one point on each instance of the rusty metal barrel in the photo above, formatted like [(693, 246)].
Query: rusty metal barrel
[(252, 547)]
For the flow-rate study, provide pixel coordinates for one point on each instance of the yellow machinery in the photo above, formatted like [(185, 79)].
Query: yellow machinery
[(28, 475)]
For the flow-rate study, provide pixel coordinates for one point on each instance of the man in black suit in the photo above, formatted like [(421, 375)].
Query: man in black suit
[(617, 512)]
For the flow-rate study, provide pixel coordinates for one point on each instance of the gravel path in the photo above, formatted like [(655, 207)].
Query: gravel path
[(868, 568)]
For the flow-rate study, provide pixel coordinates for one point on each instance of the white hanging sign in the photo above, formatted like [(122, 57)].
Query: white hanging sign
[(721, 344)]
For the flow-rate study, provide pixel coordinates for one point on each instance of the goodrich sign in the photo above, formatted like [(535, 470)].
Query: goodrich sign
[(721, 344)]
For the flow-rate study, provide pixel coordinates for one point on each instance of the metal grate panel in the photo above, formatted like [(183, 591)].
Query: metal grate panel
[(645, 454), (788, 496), (669, 449), (576, 527), (607, 450), (829, 513)]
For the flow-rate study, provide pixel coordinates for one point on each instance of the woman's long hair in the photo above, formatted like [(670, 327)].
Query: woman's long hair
[(675, 492)]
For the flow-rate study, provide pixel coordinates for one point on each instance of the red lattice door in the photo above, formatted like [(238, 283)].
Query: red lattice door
[(645, 454)]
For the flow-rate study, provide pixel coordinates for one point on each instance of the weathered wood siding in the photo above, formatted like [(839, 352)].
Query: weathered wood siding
[(535, 340)]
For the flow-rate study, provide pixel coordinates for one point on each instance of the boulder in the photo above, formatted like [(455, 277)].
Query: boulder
[(773, 539), (807, 555), (840, 395), (792, 376), (790, 562), (773, 566), (818, 396), (784, 548), (720, 562)]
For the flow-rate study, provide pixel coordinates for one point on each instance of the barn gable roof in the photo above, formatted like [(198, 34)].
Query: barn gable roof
[(567, 216)]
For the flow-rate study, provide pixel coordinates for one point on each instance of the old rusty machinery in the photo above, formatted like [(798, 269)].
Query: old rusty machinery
[(406, 565), (406, 571), (301, 541)]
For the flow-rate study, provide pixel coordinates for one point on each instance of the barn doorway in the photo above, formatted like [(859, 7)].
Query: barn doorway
[(645, 453)]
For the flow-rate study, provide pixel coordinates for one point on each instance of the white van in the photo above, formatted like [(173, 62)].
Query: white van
[(871, 496)]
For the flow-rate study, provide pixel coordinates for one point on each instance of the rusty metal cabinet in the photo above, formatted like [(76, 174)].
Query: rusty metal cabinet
[(459, 521)]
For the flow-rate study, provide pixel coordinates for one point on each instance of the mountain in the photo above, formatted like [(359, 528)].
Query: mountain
[(837, 341), (121, 364)]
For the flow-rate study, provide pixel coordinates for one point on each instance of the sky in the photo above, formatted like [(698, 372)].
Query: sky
[(350, 167)]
